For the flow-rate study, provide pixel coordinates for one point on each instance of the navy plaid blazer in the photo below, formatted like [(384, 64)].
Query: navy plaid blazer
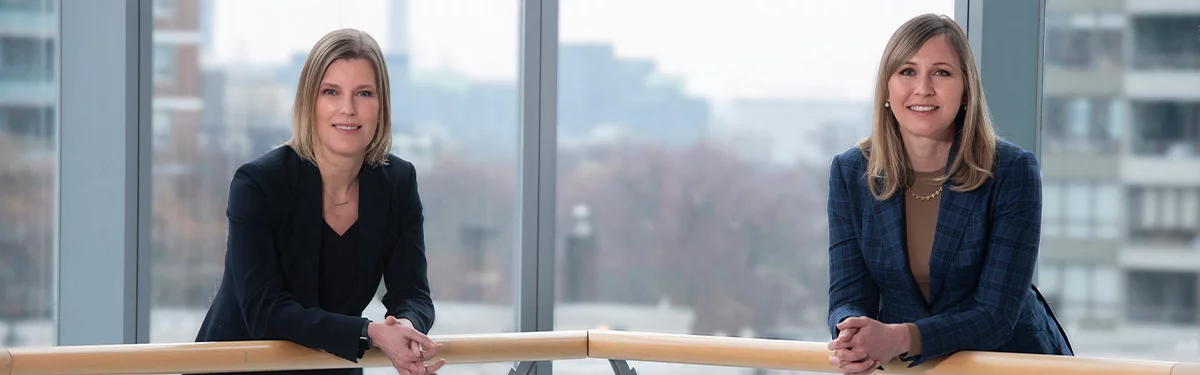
[(981, 267)]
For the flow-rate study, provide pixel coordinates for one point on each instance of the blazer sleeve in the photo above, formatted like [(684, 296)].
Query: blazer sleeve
[(270, 311), (852, 291), (406, 276), (1007, 272)]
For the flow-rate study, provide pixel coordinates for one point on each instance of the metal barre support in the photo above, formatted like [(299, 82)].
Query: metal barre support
[(620, 367), (522, 368)]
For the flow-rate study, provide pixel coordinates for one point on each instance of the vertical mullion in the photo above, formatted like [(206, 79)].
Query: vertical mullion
[(548, 144), (534, 266), (1009, 55), (962, 14), (145, 87), (98, 173)]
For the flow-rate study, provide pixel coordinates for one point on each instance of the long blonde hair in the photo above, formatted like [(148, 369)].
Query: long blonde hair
[(975, 138), (340, 44)]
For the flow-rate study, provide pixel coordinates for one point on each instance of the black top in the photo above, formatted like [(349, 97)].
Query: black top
[(276, 280), (339, 269)]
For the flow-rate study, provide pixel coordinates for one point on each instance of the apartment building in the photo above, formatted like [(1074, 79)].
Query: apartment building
[(1121, 162)]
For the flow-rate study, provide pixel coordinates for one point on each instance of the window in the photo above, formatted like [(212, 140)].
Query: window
[(24, 57), (1162, 297), (1053, 217), (1089, 125), (164, 64), (1166, 214), (1168, 128), (25, 5), (164, 8), (1079, 292), (28, 150), (1166, 42), (160, 129), (1084, 40), (1092, 205), (1080, 209), (1107, 211), (453, 67), (1076, 290), (697, 160)]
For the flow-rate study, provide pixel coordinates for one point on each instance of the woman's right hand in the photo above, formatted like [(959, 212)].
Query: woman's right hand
[(407, 348)]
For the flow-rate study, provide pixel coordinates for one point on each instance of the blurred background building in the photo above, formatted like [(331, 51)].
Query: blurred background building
[(1121, 159), (682, 207), (28, 95)]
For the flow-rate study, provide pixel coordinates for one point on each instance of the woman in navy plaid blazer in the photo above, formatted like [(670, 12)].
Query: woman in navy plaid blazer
[(933, 221)]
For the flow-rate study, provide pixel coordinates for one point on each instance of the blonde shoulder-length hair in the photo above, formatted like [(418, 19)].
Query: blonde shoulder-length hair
[(335, 45), (975, 140)]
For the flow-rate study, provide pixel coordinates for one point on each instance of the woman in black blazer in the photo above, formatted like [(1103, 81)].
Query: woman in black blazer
[(316, 223)]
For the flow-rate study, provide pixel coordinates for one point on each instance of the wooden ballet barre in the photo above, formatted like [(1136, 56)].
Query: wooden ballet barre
[(812, 356), (543, 346), (276, 355)]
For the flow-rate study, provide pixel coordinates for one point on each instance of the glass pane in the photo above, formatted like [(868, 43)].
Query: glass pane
[(1170, 205), (227, 98), (695, 156), (28, 156), (1106, 283), (1108, 205), (1079, 208), (28, 159), (1189, 210), (1077, 283), (1151, 207), (1052, 209), (1047, 280), (1128, 82)]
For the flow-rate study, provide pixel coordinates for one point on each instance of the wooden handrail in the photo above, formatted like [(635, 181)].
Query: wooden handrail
[(277, 355), (5, 362), (810, 356), (709, 350), (542, 346)]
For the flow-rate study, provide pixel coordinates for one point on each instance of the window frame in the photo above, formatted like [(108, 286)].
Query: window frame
[(98, 238)]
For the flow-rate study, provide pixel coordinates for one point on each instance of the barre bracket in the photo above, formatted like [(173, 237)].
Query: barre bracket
[(620, 367), (522, 368)]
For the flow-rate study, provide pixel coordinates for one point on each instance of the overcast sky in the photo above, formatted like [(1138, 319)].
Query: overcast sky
[(720, 48)]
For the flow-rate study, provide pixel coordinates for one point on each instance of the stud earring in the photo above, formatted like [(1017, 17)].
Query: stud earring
[(887, 104)]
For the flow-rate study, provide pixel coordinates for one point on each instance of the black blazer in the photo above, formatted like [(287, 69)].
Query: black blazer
[(269, 290)]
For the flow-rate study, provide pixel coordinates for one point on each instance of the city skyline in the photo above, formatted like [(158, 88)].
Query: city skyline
[(478, 38)]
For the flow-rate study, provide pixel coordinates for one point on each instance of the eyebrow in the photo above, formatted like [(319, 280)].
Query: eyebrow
[(334, 85), (936, 63)]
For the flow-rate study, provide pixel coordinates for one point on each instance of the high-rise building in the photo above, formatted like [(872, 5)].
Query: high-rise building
[(182, 179), (175, 74), (1121, 159), (27, 70), (28, 94), (398, 26)]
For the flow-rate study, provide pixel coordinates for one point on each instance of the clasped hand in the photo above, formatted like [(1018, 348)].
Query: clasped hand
[(864, 344), (407, 348)]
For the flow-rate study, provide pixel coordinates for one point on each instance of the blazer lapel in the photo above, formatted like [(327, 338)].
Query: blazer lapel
[(374, 199), (889, 219), (308, 224), (953, 215)]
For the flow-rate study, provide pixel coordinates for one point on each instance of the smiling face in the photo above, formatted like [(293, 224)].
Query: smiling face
[(347, 108), (926, 92)]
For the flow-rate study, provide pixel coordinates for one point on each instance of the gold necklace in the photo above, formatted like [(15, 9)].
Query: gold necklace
[(926, 197)]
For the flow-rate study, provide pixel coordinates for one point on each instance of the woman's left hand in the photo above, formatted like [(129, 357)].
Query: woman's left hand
[(881, 342)]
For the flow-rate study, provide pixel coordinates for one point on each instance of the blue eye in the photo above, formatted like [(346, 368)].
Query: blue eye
[(329, 92)]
